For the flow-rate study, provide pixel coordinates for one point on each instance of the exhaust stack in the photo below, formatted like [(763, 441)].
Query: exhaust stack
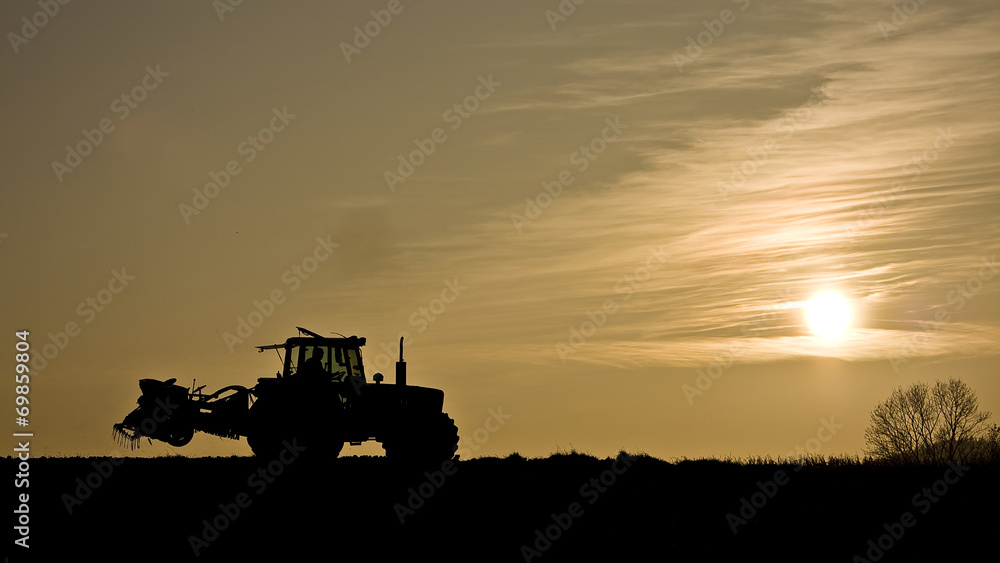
[(401, 366)]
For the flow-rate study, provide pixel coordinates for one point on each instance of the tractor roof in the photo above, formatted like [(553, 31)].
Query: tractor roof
[(314, 339)]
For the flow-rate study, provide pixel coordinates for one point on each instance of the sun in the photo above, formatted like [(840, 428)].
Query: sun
[(828, 315)]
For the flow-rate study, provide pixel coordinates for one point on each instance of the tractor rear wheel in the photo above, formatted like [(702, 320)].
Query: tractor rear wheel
[(315, 427), (269, 443)]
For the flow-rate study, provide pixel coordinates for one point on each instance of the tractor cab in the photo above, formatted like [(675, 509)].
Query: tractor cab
[(319, 357)]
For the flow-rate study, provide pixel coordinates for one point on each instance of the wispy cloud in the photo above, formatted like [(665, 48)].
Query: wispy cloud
[(791, 227)]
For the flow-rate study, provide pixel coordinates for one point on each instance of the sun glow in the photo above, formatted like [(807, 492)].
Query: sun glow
[(828, 315)]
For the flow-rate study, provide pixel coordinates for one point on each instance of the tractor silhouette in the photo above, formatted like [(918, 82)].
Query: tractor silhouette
[(320, 400)]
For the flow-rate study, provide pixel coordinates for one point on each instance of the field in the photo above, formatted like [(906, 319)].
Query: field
[(567, 507)]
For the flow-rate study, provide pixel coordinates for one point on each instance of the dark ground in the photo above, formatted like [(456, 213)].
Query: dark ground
[(149, 509)]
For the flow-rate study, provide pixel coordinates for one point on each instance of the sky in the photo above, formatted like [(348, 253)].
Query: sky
[(598, 222)]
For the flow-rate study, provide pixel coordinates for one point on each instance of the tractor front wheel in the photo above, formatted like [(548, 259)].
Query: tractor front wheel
[(427, 442)]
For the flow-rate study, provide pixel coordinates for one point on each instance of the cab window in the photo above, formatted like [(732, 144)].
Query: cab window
[(301, 359), (354, 361)]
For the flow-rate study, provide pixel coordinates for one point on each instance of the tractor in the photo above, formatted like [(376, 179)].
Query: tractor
[(320, 400)]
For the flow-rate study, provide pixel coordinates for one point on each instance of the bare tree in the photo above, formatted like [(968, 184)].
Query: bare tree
[(924, 424)]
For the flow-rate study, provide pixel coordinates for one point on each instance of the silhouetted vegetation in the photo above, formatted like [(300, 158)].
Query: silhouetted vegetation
[(622, 508), (924, 424)]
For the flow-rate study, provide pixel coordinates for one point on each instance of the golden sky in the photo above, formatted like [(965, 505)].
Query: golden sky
[(603, 219)]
